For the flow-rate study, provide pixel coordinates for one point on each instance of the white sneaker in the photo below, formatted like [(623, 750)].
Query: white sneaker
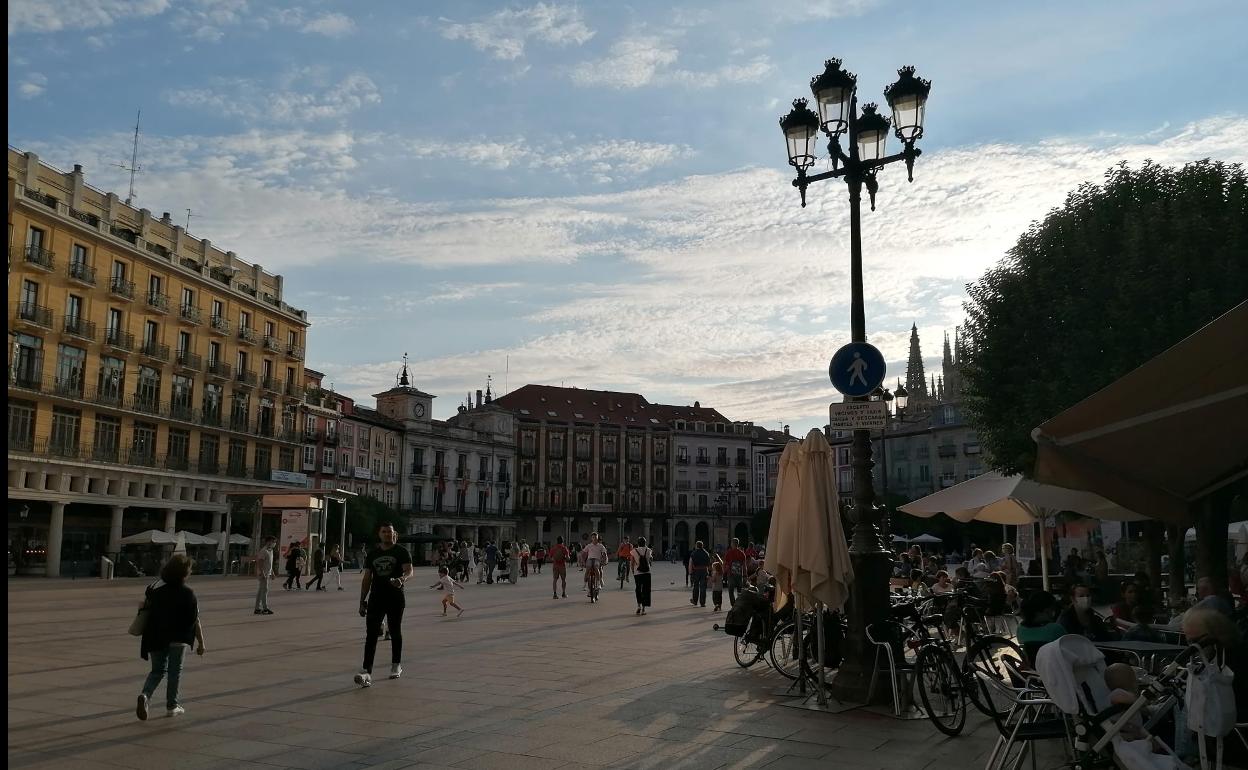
[(175, 711), (363, 679), (141, 709), (396, 671)]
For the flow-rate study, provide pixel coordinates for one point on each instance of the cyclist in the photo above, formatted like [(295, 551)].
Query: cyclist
[(595, 555), (625, 555)]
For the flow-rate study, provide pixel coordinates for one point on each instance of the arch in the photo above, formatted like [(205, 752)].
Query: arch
[(703, 532), (742, 532), (680, 536)]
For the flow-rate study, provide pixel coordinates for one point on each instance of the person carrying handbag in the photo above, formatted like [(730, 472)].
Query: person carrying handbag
[(642, 557), (335, 564), (171, 626)]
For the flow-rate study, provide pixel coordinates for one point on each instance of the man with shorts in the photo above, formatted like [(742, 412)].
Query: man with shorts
[(388, 566), (595, 555), (559, 555), (735, 569)]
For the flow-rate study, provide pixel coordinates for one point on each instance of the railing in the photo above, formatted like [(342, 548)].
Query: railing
[(743, 462), (188, 360), (295, 352), (312, 436), (209, 467), (180, 411), (439, 471), (156, 350), (219, 325), (190, 314), (236, 471), (328, 470), (702, 485), (271, 343), (83, 216), (682, 460), (272, 384), (124, 233), (418, 469), (79, 328), (483, 475), (191, 264), (43, 198), (581, 481), (146, 404), (240, 423), (246, 378), (331, 438), (266, 428), (743, 486), (210, 417), (219, 369), (110, 396), (121, 287), (40, 257), (294, 390), (158, 249), (721, 461), (703, 461), (69, 386), (247, 335), (116, 338), (35, 314), (158, 301), (82, 272), (504, 478)]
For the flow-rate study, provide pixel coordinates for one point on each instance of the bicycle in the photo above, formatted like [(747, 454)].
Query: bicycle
[(987, 655), (622, 571), (593, 574)]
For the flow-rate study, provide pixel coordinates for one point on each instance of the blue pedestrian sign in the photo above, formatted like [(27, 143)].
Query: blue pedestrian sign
[(857, 369)]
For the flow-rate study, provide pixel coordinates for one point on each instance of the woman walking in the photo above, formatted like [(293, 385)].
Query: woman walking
[(172, 626), (335, 564), (318, 569), (642, 557)]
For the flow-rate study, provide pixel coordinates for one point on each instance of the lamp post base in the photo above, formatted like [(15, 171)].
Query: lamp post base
[(868, 604)]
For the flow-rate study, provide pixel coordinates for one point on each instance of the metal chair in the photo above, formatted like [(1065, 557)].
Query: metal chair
[(885, 635)]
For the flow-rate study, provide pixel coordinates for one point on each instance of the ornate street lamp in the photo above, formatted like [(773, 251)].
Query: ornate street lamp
[(866, 134)]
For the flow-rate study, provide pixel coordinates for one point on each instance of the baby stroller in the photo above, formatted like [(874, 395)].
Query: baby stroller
[(1072, 671), (502, 573)]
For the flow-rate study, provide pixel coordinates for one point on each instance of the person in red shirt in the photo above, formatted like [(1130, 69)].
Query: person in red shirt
[(559, 555), (751, 551), (734, 566)]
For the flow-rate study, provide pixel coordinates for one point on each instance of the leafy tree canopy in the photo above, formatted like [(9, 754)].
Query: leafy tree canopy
[(1122, 271)]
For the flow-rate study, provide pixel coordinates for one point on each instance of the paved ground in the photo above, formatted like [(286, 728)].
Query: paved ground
[(519, 682)]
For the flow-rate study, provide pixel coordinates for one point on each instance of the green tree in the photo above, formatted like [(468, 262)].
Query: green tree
[(364, 515), (1122, 271)]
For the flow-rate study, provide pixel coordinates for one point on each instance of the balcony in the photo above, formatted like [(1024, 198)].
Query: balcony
[(272, 384), (189, 314), (236, 470), (110, 396), (219, 325), (189, 361), (79, 328), (702, 485), (703, 461), (743, 486), (82, 216), (121, 287), (247, 335), (154, 350), (245, 378), (295, 352), (208, 467), (219, 370), (37, 315), (293, 390), (147, 404), (182, 411), (721, 462), (417, 469), (271, 343), (743, 462), (312, 436), (39, 257), (266, 428), (210, 417), (239, 423), (331, 438), (504, 478), (683, 485), (947, 450), (682, 460), (439, 471), (67, 387), (158, 302), (119, 340), (327, 470), (82, 273)]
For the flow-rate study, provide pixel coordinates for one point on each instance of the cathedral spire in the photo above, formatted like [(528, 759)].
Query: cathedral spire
[(916, 382)]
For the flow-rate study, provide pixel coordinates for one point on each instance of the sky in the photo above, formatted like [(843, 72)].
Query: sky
[(596, 194)]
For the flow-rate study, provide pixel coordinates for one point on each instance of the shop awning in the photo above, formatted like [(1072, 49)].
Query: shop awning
[(1164, 435)]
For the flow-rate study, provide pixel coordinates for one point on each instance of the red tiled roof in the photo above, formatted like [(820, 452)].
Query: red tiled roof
[(374, 417), (706, 414), (609, 407)]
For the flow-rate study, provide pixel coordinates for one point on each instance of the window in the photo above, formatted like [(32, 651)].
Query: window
[(347, 438), (266, 369), (184, 343), (147, 392), (30, 295), (365, 432), (73, 309), (114, 326), (327, 459), (268, 328), (240, 411), (154, 283), (264, 461), (182, 401), (418, 460), (244, 319), (119, 271), (242, 362), (151, 333), (178, 454), (143, 448), (214, 353), (309, 425), (71, 366), (28, 361), (21, 425), (209, 449), (701, 503), (35, 238), (213, 395), (266, 417), (461, 500), (286, 459), (582, 446), (292, 339), (556, 444), (78, 255), (483, 501), (309, 457), (376, 468), (218, 309), (361, 461), (238, 457), (925, 473), (346, 461), (390, 497), (390, 469), (107, 441), (188, 298)]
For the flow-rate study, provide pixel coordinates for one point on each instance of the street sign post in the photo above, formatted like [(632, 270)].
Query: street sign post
[(857, 369), (858, 415)]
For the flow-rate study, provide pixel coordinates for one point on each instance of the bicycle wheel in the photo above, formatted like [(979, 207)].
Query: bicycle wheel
[(783, 651), (986, 660), (940, 688), (745, 650)]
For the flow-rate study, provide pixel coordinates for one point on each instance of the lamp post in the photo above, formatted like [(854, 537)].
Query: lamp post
[(835, 94)]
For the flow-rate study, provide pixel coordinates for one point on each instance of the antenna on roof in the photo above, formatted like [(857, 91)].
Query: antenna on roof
[(188, 220), (134, 166)]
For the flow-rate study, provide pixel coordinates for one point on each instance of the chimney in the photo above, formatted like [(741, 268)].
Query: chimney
[(166, 219), (479, 394), (77, 168), (786, 430)]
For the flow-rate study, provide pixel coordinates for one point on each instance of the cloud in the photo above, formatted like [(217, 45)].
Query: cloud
[(205, 20), (33, 85), (505, 33), (330, 25), (637, 61), (59, 15), (253, 101), (604, 159)]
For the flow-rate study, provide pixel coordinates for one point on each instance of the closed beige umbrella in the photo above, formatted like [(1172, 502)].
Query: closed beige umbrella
[(824, 569), (782, 536)]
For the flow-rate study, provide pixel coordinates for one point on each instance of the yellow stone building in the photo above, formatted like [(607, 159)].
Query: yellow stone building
[(149, 373)]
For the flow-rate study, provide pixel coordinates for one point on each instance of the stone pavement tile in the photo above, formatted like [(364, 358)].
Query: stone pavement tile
[(775, 748), (595, 754), (304, 758), (239, 749), (755, 727), (36, 761), (702, 737), (855, 739), (493, 760), (508, 744), (449, 755)]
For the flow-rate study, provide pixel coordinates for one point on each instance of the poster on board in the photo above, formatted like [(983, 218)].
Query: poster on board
[(1026, 542), (294, 527)]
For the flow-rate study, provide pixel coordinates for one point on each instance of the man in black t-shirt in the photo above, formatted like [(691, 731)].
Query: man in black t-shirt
[(386, 568), (293, 568)]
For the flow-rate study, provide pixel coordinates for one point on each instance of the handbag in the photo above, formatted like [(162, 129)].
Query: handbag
[(139, 624)]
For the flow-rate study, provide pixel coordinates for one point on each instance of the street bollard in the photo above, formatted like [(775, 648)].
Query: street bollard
[(106, 568)]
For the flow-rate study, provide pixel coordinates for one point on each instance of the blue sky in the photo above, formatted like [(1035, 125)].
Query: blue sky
[(597, 193)]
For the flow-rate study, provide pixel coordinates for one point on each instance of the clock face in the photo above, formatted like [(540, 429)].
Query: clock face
[(419, 410)]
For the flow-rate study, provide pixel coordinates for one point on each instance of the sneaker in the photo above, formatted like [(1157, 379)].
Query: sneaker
[(258, 612), (176, 711), (556, 596), (340, 588), (461, 612), (364, 679), (565, 595), (266, 612), (396, 671), (140, 710)]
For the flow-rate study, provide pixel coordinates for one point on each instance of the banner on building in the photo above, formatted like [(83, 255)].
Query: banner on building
[(294, 528), (1025, 544)]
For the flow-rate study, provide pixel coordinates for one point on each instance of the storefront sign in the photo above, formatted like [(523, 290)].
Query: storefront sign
[(294, 527), (858, 415), (1026, 542), (287, 477)]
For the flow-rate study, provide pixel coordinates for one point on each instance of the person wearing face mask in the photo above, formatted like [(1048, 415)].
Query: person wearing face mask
[(1038, 626), (1080, 618)]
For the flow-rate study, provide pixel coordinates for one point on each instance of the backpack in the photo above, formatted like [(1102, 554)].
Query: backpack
[(300, 562), (737, 569), (643, 559)]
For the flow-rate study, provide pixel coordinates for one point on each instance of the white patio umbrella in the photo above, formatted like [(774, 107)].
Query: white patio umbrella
[(999, 499), (235, 538), (900, 539), (190, 538), (926, 539), (150, 537)]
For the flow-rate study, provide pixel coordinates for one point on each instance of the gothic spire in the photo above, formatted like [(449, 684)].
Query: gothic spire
[(916, 382)]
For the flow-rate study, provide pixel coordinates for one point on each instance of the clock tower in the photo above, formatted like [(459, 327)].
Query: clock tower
[(405, 403)]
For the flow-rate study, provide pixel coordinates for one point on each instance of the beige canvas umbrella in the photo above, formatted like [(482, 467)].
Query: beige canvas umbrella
[(999, 499), (782, 536)]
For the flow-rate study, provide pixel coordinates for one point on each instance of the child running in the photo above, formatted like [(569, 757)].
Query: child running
[(448, 584)]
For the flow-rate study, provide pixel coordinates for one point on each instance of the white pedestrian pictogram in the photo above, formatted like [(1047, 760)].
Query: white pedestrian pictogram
[(856, 370)]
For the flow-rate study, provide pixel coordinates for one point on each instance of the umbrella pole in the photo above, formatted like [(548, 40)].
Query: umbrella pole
[(822, 697), (801, 653), (1044, 553)]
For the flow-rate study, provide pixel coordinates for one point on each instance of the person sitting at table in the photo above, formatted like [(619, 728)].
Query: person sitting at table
[(1038, 626), (1143, 630), (1080, 618), (1124, 608), (943, 584), (978, 567), (1210, 598), (917, 585), (901, 567)]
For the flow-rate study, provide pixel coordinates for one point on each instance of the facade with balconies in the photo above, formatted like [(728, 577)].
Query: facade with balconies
[(127, 402)]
